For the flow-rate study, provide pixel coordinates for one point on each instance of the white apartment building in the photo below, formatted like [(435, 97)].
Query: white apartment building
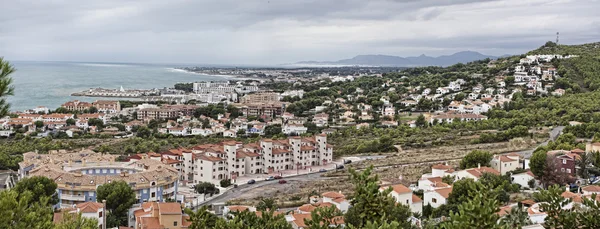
[(231, 159)]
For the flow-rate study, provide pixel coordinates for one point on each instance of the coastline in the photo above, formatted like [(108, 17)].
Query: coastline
[(238, 77)]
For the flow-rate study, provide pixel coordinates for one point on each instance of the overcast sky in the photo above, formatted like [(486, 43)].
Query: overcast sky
[(284, 31)]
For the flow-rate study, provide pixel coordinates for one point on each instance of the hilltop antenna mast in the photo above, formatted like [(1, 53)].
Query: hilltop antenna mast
[(556, 37)]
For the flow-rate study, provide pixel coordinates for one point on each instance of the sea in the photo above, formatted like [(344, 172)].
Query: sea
[(50, 84)]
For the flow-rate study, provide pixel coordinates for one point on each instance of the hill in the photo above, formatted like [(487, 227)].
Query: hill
[(583, 70), (397, 61)]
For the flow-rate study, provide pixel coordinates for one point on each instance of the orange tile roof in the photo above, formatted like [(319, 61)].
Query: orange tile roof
[(237, 208), (299, 219), (90, 207), (445, 192), (503, 158), (281, 151), (399, 188), (169, 208), (416, 199), (477, 172), (151, 223), (209, 158), (333, 195), (435, 179), (307, 208)]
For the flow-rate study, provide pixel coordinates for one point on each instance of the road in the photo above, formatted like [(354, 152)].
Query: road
[(241, 189), (554, 133)]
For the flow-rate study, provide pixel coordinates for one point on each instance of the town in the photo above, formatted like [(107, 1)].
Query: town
[(295, 147)]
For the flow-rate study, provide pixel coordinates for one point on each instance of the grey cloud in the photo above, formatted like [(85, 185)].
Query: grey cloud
[(276, 31)]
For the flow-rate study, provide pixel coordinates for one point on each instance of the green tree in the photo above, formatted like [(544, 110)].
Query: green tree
[(5, 85), (93, 110), (39, 124), (206, 187), (323, 218), (478, 212), (420, 122), (516, 218), (71, 122), (225, 183), (76, 221), (372, 205), (584, 162), (249, 220), (266, 204), (537, 163), (119, 198), (202, 218), (39, 187), (18, 210), (476, 158), (272, 130)]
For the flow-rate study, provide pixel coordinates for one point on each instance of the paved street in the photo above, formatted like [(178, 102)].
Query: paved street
[(554, 133)]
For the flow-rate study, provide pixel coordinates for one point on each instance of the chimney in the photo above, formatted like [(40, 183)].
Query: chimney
[(479, 165)]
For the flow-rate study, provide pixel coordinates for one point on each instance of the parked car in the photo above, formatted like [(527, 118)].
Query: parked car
[(251, 181), (340, 167), (282, 181), (277, 177), (270, 178), (347, 161), (322, 170)]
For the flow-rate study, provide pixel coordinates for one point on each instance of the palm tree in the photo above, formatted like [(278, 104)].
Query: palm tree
[(5, 88), (516, 218)]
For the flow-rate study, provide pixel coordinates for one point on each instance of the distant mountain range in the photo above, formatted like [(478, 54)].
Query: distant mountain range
[(396, 61)]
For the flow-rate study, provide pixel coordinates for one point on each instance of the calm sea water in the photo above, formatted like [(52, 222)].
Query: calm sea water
[(50, 84)]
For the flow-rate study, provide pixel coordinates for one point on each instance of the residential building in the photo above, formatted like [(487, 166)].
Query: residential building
[(79, 173), (321, 119), (404, 195), (337, 199), (505, 163), (436, 196), (565, 161), (294, 129), (474, 173), (107, 106), (266, 110), (90, 210), (230, 159), (153, 215), (522, 179), (450, 117), (76, 105), (148, 114), (261, 97)]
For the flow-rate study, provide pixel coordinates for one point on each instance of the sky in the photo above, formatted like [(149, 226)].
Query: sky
[(284, 31)]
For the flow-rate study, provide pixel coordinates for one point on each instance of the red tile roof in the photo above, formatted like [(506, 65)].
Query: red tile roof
[(477, 172), (445, 192), (89, 207)]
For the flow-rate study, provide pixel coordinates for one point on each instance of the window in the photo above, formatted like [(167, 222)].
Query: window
[(153, 194), (564, 162), (562, 169), (433, 200), (99, 214), (175, 223), (568, 170)]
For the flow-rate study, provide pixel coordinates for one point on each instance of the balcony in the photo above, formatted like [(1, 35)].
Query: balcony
[(169, 190), (72, 197)]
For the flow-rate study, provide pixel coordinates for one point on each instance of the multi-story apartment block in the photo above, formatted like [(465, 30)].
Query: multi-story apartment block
[(147, 114), (263, 110), (107, 106), (263, 97), (78, 174), (231, 159), (76, 105)]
